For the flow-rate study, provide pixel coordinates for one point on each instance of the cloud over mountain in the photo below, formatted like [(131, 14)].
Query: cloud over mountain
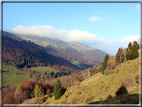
[(84, 37), (51, 32)]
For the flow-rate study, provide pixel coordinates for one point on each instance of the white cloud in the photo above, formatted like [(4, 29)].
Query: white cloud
[(112, 46), (51, 32), (84, 37), (76, 35), (95, 19), (131, 38)]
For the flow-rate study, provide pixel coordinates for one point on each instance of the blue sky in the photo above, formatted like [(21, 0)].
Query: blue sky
[(106, 26)]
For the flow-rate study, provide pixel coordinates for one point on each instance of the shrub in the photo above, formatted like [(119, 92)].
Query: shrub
[(79, 92), (50, 95), (137, 79), (48, 91), (117, 70), (66, 96), (121, 90), (109, 97)]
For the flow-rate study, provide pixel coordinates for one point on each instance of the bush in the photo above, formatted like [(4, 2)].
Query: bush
[(48, 91), (117, 70), (137, 79), (66, 96), (78, 92), (50, 95), (121, 90), (109, 97)]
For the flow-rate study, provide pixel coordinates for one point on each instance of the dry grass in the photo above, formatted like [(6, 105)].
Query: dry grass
[(98, 87)]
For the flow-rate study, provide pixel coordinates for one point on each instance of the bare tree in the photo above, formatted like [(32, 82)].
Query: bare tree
[(88, 73), (124, 51)]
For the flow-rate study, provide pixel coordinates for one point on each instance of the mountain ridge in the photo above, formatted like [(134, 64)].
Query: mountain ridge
[(20, 53), (86, 56)]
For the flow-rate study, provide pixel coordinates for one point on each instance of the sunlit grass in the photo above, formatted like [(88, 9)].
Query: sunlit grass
[(13, 76)]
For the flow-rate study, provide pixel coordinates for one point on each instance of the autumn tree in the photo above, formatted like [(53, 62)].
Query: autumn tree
[(58, 90), (38, 91), (27, 85), (88, 73), (18, 94), (120, 56), (111, 62), (124, 51), (9, 99), (48, 91), (27, 88)]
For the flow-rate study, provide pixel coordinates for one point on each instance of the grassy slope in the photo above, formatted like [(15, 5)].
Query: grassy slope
[(43, 69), (11, 78), (77, 64), (99, 86)]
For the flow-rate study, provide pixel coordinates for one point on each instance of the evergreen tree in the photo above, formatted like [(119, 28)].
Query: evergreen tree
[(134, 53), (38, 92), (104, 64), (58, 90), (128, 54), (136, 43), (130, 45)]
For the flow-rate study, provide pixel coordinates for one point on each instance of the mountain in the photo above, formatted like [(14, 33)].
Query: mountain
[(78, 54), (19, 53)]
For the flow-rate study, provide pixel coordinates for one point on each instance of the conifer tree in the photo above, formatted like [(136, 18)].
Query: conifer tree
[(104, 64), (58, 90), (134, 53), (129, 51), (128, 54), (130, 45), (136, 43)]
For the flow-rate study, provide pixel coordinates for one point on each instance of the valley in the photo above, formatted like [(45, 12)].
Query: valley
[(85, 80), (85, 55), (72, 53)]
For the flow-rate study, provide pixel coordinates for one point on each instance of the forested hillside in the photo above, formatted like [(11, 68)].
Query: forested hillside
[(83, 55), (20, 53)]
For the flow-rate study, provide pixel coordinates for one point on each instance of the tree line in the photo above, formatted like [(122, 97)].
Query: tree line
[(130, 53)]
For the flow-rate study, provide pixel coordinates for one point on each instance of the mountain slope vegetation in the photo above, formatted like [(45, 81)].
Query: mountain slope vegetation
[(12, 76), (20, 53), (71, 51), (97, 88)]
